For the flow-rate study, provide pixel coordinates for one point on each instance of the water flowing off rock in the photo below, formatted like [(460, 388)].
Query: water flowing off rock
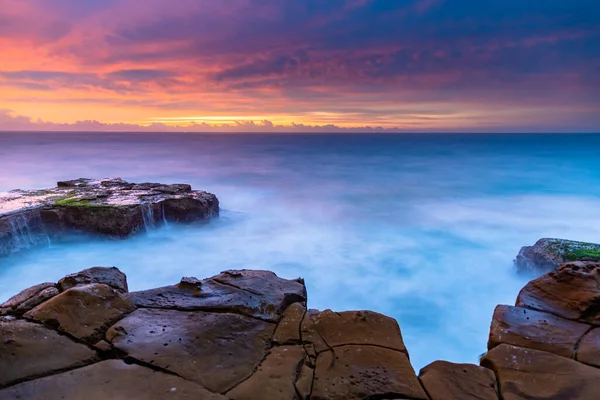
[(248, 335), (108, 207)]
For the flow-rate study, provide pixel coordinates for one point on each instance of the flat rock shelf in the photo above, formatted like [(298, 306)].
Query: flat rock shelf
[(248, 335), (111, 207)]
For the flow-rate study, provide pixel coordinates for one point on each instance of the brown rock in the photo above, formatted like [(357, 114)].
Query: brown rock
[(84, 312), (330, 329), (110, 276), (111, 379), (228, 293), (448, 381), (274, 378), (572, 291), (535, 330), (589, 348), (28, 350), (288, 330), (534, 374), (217, 350), (358, 372), (306, 377), (103, 346), (29, 298), (36, 300)]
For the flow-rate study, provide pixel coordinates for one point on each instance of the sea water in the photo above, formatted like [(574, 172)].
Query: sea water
[(421, 227)]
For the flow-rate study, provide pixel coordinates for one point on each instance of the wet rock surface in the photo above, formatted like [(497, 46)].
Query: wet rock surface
[(247, 335), (572, 291), (28, 350), (535, 330), (216, 350), (229, 291), (108, 276), (110, 207), (111, 379), (532, 374), (83, 312)]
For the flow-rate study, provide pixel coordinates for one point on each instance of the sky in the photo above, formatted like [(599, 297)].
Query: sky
[(300, 65)]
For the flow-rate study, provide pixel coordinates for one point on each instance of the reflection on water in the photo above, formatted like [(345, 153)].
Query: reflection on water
[(422, 228)]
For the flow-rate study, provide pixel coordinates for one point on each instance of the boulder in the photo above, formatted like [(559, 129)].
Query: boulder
[(110, 276), (535, 330), (111, 379), (29, 298), (228, 292), (361, 372), (28, 350), (111, 207), (443, 380), (547, 254), (275, 377), (328, 329), (572, 291), (216, 350), (589, 348), (534, 374), (84, 312)]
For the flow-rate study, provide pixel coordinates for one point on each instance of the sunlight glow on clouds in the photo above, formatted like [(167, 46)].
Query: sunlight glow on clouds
[(406, 65)]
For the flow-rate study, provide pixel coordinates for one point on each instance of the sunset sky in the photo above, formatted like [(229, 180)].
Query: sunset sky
[(300, 65)]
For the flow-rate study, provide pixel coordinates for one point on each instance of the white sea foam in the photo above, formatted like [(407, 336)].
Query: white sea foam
[(417, 238)]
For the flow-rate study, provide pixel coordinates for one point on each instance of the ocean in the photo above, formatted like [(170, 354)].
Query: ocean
[(421, 227)]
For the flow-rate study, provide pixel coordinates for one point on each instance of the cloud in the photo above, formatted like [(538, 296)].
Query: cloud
[(273, 58)]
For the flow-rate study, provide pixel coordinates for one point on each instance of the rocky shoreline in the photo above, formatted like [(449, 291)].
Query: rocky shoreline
[(248, 335), (110, 207)]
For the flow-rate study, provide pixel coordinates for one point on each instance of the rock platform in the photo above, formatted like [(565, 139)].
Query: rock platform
[(247, 335), (111, 207)]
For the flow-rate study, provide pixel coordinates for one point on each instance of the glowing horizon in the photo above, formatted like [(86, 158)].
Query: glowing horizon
[(420, 65)]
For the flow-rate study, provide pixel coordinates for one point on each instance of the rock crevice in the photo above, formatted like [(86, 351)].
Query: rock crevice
[(252, 338)]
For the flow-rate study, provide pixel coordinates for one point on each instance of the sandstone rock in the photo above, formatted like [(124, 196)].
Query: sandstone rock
[(329, 329), (84, 312), (103, 346), (443, 380), (547, 254), (28, 350), (534, 374), (29, 298), (110, 276), (288, 330), (266, 301), (107, 206), (39, 298), (589, 348), (274, 378), (572, 291), (535, 330), (217, 350), (111, 379), (360, 372)]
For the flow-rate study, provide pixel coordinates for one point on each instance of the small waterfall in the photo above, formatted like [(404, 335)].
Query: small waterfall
[(164, 216), (27, 230), (148, 216)]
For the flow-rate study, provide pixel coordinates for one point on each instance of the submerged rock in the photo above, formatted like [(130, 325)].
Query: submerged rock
[(547, 254), (111, 207)]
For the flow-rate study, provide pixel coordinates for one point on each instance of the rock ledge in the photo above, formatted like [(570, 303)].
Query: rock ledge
[(111, 207)]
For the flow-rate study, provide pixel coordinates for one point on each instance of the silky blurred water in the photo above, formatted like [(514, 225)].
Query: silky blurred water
[(420, 227)]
